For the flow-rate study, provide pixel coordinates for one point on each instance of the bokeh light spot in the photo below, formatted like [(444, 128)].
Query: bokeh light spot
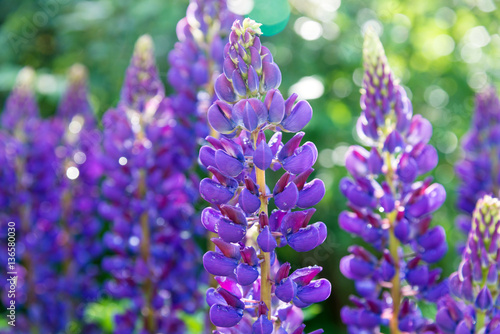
[(72, 173), (436, 97), (240, 7), (79, 157), (447, 143), (308, 88), (308, 29), (443, 45), (339, 113), (273, 14)]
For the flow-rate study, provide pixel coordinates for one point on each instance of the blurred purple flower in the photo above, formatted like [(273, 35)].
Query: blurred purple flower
[(389, 208)]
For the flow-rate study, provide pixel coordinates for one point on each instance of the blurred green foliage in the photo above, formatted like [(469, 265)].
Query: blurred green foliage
[(443, 51)]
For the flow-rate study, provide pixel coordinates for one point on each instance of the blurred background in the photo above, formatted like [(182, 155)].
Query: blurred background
[(442, 51)]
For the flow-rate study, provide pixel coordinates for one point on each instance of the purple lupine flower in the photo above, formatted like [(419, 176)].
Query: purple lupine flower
[(476, 283), (255, 292), (478, 171), (21, 103), (82, 170), (389, 208), (197, 59), (149, 202), (30, 164)]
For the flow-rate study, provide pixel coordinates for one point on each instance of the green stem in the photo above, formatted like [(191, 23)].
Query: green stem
[(394, 245), (147, 287), (265, 266)]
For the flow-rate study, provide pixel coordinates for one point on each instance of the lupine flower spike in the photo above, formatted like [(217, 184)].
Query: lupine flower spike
[(82, 170), (476, 283), (197, 60), (479, 170), (256, 294), (32, 202), (389, 208), (149, 201)]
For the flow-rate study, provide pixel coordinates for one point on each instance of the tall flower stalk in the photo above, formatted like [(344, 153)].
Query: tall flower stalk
[(197, 59), (81, 169), (479, 170), (389, 208), (255, 293), (149, 201), (32, 201), (475, 285)]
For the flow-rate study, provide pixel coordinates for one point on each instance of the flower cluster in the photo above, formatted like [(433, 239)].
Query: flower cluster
[(197, 59), (80, 150), (479, 169), (149, 201), (256, 294), (32, 202), (389, 208), (476, 283)]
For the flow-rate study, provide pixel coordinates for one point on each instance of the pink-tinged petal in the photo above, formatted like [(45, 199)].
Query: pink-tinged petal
[(420, 131), (213, 297), (304, 276), (291, 146), (234, 213), (224, 89), (230, 284), (356, 161), (219, 121), (432, 199), (287, 199), (228, 249)]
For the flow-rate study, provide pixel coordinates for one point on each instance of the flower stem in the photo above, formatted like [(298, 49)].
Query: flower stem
[(396, 282), (265, 266), (394, 245), (149, 321)]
